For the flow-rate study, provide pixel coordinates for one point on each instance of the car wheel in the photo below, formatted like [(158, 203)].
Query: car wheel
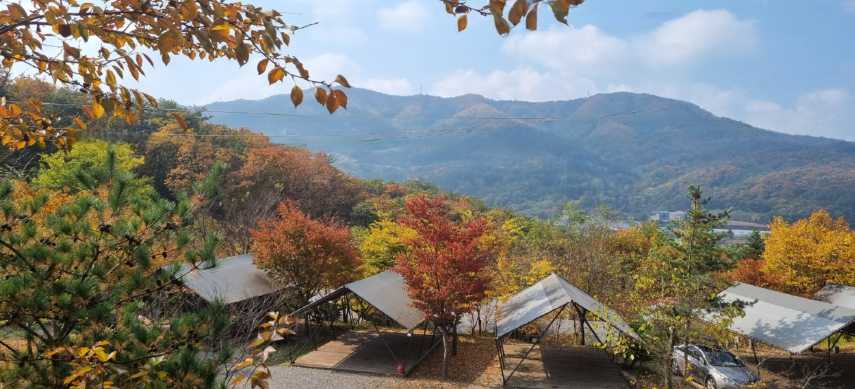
[(710, 384)]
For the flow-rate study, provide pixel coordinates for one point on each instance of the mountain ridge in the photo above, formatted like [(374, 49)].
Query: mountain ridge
[(633, 152)]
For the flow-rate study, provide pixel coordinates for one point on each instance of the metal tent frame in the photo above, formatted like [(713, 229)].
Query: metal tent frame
[(553, 294), (387, 293)]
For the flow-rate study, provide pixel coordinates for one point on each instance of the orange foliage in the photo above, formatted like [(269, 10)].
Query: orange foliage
[(445, 266), (307, 254)]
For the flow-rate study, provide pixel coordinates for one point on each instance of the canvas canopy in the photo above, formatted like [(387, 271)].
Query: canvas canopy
[(548, 295), (232, 280), (842, 295), (385, 291), (785, 321)]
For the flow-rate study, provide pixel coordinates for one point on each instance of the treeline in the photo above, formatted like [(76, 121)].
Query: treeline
[(87, 233)]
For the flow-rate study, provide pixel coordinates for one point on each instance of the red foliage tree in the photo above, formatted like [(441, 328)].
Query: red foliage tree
[(306, 254), (445, 265)]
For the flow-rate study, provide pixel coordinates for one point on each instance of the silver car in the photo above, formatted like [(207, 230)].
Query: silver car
[(714, 368)]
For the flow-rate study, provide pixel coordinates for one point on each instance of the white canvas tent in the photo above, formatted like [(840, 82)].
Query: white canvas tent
[(232, 280), (785, 321), (552, 294), (842, 295)]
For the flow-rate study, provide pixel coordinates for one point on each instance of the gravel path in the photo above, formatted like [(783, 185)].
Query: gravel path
[(285, 376)]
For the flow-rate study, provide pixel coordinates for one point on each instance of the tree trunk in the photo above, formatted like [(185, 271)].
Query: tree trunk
[(444, 353), (454, 339), (669, 355)]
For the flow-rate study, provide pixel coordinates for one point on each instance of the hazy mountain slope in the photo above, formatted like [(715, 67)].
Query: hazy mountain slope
[(635, 152)]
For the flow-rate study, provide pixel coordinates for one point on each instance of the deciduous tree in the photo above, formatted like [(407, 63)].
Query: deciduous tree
[(808, 253), (445, 265), (304, 254)]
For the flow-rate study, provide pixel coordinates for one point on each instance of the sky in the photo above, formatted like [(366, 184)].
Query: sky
[(783, 65)]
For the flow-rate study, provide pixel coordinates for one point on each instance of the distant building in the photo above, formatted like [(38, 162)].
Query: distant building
[(740, 230), (737, 230), (663, 218)]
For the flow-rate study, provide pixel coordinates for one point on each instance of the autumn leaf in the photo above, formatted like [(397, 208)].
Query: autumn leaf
[(462, 21), (321, 95), (342, 81), (296, 95), (517, 11), (531, 19), (262, 66), (277, 74)]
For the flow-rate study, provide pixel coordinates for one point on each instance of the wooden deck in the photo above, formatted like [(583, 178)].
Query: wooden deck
[(576, 367), (392, 353)]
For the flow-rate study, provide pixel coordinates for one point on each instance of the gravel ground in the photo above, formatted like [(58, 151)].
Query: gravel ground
[(285, 376)]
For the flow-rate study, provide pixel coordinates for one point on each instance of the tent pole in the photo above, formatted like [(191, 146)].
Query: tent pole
[(581, 312), (536, 341)]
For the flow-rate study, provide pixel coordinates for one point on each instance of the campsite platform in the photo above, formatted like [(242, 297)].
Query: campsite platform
[(573, 367), (389, 353)]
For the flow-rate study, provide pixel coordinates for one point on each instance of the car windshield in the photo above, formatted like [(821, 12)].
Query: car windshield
[(723, 358)]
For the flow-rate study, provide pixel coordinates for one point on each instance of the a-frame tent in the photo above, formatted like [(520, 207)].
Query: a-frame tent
[(386, 292), (552, 294)]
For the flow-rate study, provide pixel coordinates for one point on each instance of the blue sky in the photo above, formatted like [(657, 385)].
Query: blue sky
[(779, 64)]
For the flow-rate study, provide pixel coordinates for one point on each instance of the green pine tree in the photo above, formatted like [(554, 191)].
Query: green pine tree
[(81, 270)]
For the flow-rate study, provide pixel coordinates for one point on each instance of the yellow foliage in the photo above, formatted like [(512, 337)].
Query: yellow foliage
[(809, 253), (383, 242)]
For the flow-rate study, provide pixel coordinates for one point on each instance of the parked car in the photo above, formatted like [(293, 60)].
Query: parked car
[(714, 368)]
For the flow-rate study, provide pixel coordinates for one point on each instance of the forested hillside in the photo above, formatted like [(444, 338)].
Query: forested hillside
[(635, 153)]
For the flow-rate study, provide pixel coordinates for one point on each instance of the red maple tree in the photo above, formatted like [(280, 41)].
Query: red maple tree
[(445, 265)]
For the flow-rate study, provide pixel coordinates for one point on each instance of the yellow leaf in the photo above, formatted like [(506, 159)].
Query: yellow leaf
[(277, 74), (97, 109), (243, 364), (262, 66)]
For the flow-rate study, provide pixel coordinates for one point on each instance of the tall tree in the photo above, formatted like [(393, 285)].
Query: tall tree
[(445, 265), (808, 253), (81, 264), (677, 285), (305, 254)]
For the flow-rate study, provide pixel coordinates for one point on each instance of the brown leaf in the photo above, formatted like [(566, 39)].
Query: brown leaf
[(341, 98), (321, 95), (462, 22), (502, 26), (296, 95), (262, 66), (332, 103), (519, 9), (242, 53), (277, 74), (531, 19), (343, 81), (560, 8)]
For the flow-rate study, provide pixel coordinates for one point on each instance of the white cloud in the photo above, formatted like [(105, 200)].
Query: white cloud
[(587, 47), (327, 66), (695, 36), (571, 63), (409, 15), (392, 86)]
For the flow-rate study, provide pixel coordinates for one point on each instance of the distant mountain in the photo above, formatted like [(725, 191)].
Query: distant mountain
[(636, 153)]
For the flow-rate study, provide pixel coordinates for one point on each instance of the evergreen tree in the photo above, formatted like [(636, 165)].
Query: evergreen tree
[(677, 284), (81, 266)]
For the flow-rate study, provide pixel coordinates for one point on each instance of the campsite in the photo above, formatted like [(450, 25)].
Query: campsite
[(342, 194)]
